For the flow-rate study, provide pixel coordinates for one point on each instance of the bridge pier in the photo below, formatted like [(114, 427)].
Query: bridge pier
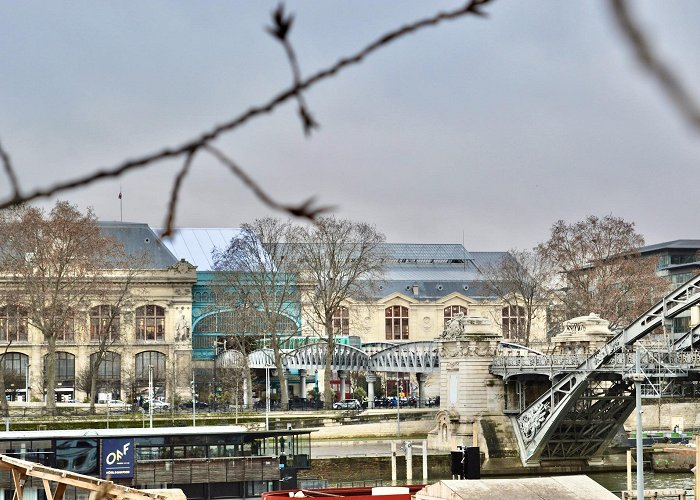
[(472, 400)]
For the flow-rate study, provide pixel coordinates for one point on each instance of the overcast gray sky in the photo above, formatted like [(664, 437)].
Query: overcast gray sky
[(488, 128)]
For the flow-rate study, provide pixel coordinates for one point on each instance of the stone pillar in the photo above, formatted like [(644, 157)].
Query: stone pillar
[(302, 384), (468, 391), (421, 377), (287, 374), (342, 375), (370, 378)]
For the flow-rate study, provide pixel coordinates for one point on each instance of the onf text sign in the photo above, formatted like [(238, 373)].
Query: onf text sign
[(118, 457)]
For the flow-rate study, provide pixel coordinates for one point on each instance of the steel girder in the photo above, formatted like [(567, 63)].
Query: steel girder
[(415, 357), (587, 427), (688, 340), (345, 357), (670, 363), (539, 421)]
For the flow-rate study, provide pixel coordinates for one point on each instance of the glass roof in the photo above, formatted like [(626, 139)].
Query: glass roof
[(430, 253)]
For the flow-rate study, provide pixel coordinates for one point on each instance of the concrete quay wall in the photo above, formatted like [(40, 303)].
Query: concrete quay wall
[(665, 415)]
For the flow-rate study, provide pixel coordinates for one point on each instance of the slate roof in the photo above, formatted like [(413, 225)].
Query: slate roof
[(672, 245), (139, 239), (422, 252), (436, 270)]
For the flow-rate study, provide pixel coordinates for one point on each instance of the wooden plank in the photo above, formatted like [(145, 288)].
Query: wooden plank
[(19, 479), (47, 489), (60, 490)]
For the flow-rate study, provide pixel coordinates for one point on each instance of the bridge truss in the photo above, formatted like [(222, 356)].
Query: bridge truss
[(409, 357), (579, 416)]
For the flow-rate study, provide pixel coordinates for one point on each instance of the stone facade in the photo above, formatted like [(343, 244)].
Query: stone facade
[(169, 289)]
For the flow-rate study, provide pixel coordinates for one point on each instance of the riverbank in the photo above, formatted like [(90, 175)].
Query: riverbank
[(360, 452)]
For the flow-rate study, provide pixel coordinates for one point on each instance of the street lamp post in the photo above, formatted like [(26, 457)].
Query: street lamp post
[(26, 384), (316, 393), (398, 408), (194, 413), (150, 395), (267, 394)]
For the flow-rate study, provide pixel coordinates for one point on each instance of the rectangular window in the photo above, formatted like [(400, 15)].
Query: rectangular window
[(681, 325)]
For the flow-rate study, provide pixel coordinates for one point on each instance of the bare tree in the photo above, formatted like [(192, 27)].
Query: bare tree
[(340, 259), (522, 279), (261, 271), (602, 269), (52, 265)]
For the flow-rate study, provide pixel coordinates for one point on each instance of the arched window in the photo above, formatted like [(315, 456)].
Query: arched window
[(150, 323), (396, 323), (452, 311), (109, 374), (13, 323), (15, 366), (104, 321), (341, 321), (513, 322), (154, 359), (241, 321), (65, 368), (111, 366)]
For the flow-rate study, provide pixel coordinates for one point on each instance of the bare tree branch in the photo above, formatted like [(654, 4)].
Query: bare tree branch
[(170, 217), (668, 81), (7, 164), (280, 30), (473, 7), (305, 209)]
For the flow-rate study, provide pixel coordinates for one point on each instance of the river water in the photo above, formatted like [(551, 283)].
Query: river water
[(617, 481)]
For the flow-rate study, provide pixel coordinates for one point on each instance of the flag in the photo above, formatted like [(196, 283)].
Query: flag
[(120, 195)]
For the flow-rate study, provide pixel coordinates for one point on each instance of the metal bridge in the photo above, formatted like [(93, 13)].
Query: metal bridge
[(410, 357), (591, 396)]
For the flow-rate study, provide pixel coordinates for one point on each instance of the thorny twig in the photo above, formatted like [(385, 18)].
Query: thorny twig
[(172, 206), (472, 7), (304, 209), (280, 30), (7, 164), (661, 72)]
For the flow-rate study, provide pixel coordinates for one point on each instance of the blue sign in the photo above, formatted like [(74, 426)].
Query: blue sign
[(117, 458)]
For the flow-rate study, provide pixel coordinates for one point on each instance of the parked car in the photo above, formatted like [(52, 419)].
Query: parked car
[(347, 404), (198, 405), (117, 405), (158, 405)]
